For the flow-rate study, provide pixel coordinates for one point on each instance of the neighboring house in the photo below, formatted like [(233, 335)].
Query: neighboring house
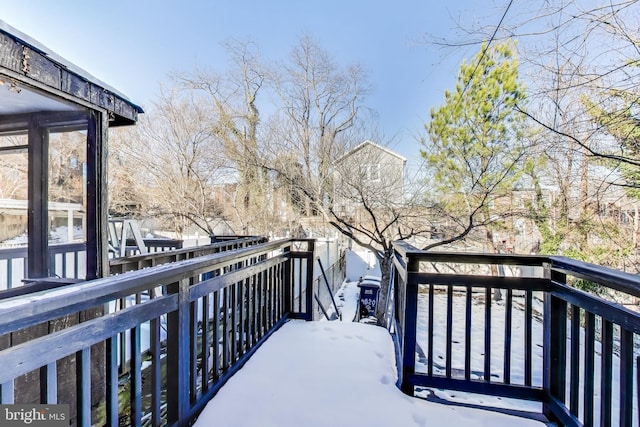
[(369, 176)]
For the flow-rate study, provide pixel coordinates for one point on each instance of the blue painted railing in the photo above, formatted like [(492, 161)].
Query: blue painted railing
[(543, 340), (190, 325)]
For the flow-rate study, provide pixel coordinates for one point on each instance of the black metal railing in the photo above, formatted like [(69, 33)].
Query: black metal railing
[(531, 334), (190, 325)]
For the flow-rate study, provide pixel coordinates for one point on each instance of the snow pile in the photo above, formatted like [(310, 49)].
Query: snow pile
[(331, 374), (347, 300)]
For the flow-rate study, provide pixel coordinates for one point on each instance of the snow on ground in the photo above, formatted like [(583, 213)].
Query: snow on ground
[(347, 299), (497, 352), (331, 374), (335, 374), (477, 346)]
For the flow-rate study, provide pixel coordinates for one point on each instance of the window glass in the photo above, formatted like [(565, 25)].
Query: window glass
[(58, 131), (67, 201)]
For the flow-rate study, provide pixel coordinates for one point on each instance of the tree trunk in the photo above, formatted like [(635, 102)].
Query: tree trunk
[(385, 270)]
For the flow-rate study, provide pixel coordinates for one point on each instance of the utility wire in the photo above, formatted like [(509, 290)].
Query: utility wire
[(484, 51)]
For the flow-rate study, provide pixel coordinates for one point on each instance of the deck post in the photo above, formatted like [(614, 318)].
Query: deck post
[(96, 206), (309, 287), (288, 284), (178, 355), (38, 190), (555, 346), (409, 330)]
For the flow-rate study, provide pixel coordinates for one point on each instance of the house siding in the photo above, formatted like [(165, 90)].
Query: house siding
[(371, 172)]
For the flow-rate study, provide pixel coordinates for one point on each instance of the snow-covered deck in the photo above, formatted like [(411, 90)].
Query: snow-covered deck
[(332, 374)]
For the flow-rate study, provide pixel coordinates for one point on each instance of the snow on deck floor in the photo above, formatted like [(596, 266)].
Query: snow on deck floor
[(337, 374)]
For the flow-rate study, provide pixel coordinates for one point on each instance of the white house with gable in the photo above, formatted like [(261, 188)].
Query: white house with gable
[(369, 176)]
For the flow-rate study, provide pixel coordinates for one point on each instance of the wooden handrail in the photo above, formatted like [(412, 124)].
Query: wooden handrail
[(204, 317)]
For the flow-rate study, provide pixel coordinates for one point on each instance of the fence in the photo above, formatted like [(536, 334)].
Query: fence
[(326, 287), (204, 316), (543, 340)]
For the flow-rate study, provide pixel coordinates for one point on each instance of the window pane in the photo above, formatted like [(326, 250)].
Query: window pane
[(67, 202), (13, 210)]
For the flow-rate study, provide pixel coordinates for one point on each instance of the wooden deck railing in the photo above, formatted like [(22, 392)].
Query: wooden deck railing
[(190, 325), (543, 340), (67, 261), (151, 346), (140, 261)]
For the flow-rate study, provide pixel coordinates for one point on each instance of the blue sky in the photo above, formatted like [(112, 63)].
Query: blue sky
[(132, 45)]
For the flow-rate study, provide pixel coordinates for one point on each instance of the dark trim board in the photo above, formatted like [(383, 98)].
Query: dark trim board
[(29, 62)]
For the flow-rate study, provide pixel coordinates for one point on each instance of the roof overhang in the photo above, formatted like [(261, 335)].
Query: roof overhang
[(35, 79)]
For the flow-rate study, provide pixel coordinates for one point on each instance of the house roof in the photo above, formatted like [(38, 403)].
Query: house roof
[(40, 80), (373, 144)]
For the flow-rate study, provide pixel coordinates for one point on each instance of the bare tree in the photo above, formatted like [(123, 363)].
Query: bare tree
[(13, 169), (371, 207), (282, 168), (174, 160), (126, 180), (234, 98), (320, 107), (312, 149), (67, 156), (583, 62)]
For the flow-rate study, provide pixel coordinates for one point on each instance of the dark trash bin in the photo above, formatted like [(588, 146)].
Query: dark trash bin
[(369, 290)]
